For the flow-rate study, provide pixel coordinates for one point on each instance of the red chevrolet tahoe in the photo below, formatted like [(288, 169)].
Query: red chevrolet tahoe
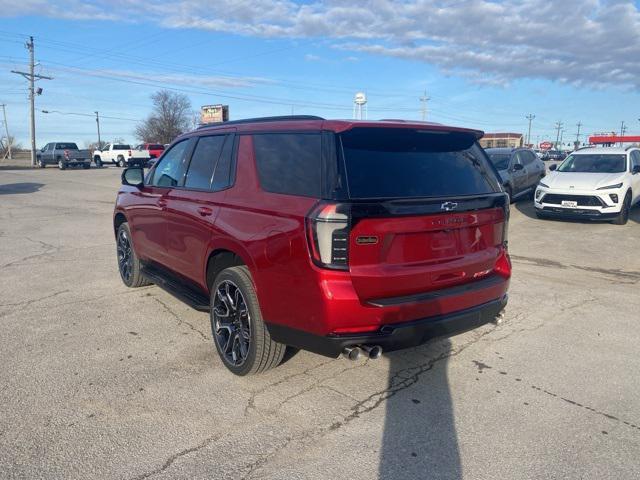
[(334, 236)]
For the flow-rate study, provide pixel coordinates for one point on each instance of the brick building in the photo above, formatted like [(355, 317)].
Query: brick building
[(493, 140)]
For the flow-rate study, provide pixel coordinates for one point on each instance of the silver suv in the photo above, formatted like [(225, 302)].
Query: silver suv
[(520, 169)]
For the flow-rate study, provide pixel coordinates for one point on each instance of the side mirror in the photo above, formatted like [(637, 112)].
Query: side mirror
[(635, 169), (133, 176), (518, 166), (553, 167)]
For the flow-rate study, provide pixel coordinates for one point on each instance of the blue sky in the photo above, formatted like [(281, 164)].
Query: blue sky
[(483, 64)]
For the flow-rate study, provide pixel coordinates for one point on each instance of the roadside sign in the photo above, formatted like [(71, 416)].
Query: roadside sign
[(546, 145), (214, 113)]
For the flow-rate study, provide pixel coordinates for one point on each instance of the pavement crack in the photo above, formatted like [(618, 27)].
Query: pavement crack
[(171, 460), (26, 303), (180, 320)]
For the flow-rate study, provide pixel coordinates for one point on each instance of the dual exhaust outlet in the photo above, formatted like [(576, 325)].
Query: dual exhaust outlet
[(371, 351)]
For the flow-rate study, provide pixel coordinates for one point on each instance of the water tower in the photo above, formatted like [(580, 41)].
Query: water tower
[(360, 106)]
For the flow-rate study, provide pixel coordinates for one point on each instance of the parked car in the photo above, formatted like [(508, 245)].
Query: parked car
[(333, 236), (592, 183), (519, 168), (63, 154), (555, 155), (154, 149), (120, 154)]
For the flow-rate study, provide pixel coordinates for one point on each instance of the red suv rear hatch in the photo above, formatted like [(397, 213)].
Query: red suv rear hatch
[(425, 212)]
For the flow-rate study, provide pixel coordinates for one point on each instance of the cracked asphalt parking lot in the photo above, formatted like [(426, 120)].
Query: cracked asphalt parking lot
[(99, 381)]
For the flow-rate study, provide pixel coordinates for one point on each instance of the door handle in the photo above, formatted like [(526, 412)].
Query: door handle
[(162, 203), (205, 211)]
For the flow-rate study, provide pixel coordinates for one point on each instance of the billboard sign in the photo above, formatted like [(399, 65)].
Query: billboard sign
[(214, 114)]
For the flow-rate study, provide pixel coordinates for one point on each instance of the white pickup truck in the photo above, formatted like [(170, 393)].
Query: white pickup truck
[(120, 154)]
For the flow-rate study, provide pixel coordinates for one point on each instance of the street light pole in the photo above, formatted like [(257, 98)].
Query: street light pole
[(6, 128)]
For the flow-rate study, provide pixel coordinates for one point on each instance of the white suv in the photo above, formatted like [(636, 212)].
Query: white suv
[(593, 183)]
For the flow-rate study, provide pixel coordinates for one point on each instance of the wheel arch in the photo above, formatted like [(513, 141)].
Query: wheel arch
[(218, 260), (118, 219)]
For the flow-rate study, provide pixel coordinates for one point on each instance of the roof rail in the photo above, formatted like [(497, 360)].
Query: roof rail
[(582, 148), (283, 118), (630, 147)]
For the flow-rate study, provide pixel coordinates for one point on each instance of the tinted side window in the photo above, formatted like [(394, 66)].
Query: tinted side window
[(289, 163), (170, 170), (527, 157), (635, 159), (203, 162), (222, 177)]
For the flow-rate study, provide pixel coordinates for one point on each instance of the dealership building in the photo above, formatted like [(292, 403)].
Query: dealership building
[(496, 140)]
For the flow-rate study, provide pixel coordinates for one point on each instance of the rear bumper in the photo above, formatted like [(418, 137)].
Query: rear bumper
[(395, 336)]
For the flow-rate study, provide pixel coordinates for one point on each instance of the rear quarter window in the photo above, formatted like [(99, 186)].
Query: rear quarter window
[(289, 163)]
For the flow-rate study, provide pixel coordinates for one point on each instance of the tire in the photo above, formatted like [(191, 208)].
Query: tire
[(62, 165), (98, 161), (242, 340), (86, 165), (121, 163), (623, 216), (41, 163), (128, 262)]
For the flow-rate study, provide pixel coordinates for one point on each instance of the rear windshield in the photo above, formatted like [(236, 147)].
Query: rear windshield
[(66, 146), (155, 146), (403, 163), (500, 160), (594, 163)]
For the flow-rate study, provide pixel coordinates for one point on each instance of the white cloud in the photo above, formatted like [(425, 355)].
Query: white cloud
[(580, 42), (309, 57)]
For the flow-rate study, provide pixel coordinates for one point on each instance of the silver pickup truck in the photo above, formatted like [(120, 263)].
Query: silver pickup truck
[(63, 154)]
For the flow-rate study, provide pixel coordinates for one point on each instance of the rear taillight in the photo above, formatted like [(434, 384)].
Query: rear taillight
[(328, 235), (503, 264), (129, 152), (66, 154)]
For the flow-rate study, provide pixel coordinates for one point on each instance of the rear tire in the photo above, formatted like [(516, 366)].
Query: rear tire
[(98, 161), (128, 262), (239, 333), (86, 165), (121, 162), (623, 216)]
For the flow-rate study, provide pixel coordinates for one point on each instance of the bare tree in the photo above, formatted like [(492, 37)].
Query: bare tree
[(4, 146), (171, 116)]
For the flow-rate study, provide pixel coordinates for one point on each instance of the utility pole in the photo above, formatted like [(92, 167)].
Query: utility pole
[(558, 128), (6, 129), (529, 117), (98, 123), (423, 100), (579, 124), (561, 135), (31, 76), (622, 130)]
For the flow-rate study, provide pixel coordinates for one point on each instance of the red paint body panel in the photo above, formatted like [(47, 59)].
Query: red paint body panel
[(412, 255)]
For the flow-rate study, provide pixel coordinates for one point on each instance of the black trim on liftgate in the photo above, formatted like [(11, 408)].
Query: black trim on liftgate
[(395, 336)]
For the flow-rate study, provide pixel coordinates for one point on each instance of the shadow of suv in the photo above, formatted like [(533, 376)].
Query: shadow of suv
[(334, 236)]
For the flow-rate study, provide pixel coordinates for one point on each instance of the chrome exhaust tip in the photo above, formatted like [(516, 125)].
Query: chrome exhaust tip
[(352, 353), (372, 351)]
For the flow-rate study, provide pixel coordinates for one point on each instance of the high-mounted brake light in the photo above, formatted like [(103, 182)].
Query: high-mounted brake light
[(328, 235)]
